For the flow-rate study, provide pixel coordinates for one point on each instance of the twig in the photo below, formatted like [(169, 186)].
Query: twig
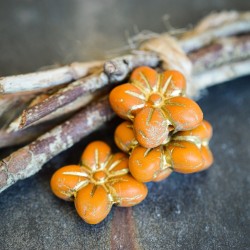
[(218, 75), (46, 79), (215, 26), (220, 52), (118, 69), (29, 159), (13, 138), (61, 113), (11, 107), (63, 97)]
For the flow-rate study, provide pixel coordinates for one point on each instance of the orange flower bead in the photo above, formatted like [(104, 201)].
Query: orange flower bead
[(186, 152), (102, 180), (124, 136), (155, 103), (204, 132), (185, 156)]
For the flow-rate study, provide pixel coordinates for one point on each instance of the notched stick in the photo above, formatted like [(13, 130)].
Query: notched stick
[(119, 68), (28, 160)]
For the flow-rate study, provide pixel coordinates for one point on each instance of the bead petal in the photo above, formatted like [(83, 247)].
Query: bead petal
[(145, 163), (124, 136), (95, 154), (92, 204), (65, 181), (183, 113), (163, 174), (207, 157), (203, 131), (118, 162), (126, 100), (186, 157), (146, 76), (176, 86), (151, 127), (129, 192)]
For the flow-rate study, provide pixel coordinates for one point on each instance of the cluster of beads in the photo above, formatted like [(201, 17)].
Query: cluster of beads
[(164, 132)]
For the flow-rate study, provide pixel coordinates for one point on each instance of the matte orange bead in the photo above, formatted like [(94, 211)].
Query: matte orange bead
[(144, 166), (186, 157)]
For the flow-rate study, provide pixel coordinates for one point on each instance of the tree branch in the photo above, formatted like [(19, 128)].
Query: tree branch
[(221, 51), (214, 26), (46, 79)]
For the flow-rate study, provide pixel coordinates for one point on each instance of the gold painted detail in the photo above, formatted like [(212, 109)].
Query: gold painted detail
[(100, 174)]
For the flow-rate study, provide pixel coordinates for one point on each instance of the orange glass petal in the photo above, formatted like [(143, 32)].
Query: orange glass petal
[(146, 76), (204, 131), (207, 157), (129, 191), (150, 127), (163, 174), (95, 154), (186, 157), (63, 184), (177, 85), (143, 165), (119, 161), (126, 100), (124, 136), (184, 113), (92, 204)]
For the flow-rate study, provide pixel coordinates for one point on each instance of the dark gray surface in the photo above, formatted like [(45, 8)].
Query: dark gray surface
[(208, 210)]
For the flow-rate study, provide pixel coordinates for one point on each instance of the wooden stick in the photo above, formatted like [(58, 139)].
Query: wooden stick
[(63, 97), (13, 138), (29, 159), (215, 26), (221, 51), (218, 75), (46, 79), (60, 113), (118, 69)]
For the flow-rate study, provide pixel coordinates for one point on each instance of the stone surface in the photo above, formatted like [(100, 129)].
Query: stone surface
[(208, 210)]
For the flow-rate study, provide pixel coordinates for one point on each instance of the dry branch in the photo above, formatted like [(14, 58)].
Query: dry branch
[(218, 75), (215, 26), (29, 159), (13, 138), (221, 51), (46, 79)]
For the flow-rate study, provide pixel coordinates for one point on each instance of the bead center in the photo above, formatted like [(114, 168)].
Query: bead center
[(99, 176), (155, 99)]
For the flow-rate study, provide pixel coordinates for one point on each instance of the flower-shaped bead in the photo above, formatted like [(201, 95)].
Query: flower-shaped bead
[(155, 103), (185, 152), (100, 181)]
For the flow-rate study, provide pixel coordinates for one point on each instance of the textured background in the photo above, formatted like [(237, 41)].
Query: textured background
[(208, 210)]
